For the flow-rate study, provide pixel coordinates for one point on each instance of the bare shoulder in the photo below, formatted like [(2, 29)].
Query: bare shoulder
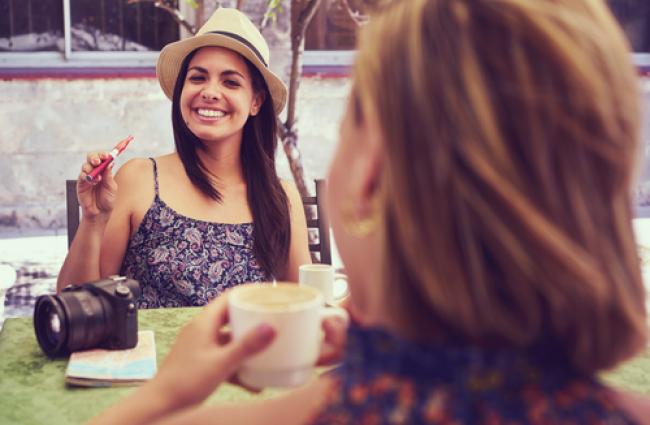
[(134, 169), (636, 405), (135, 178)]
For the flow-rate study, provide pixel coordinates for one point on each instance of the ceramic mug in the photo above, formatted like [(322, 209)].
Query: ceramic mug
[(333, 286), (296, 313)]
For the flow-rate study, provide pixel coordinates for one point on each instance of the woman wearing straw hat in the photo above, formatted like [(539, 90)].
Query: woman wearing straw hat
[(213, 214)]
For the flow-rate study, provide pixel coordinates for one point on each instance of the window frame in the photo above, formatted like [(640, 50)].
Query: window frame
[(313, 60), (85, 59), (334, 58)]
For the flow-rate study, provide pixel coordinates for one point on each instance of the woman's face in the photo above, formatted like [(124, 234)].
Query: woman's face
[(218, 95)]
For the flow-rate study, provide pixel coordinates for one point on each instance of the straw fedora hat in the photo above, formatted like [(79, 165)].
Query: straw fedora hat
[(227, 28)]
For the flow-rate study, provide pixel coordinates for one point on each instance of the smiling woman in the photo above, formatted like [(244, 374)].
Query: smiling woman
[(213, 214)]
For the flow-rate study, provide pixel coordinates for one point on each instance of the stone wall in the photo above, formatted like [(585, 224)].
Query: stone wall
[(47, 126)]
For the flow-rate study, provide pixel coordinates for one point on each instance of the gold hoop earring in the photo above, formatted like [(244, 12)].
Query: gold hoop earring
[(358, 226)]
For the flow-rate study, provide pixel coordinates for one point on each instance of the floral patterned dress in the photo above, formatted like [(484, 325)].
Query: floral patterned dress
[(386, 380), (180, 261)]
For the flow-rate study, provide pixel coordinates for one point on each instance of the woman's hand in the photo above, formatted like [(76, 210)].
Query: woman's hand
[(203, 356), (333, 346), (200, 360), (96, 198)]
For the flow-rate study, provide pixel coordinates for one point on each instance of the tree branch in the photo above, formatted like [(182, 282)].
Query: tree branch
[(175, 13), (297, 36), (355, 15)]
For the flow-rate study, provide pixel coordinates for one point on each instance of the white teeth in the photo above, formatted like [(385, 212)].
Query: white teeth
[(210, 113)]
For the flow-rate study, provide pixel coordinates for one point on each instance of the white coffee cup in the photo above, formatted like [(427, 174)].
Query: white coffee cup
[(296, 314), (333, 286)]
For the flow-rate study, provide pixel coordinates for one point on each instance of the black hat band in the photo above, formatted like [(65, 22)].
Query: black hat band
[(243, 41)]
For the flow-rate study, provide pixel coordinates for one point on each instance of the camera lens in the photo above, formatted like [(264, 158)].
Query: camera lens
[(71, 321), (49, 323)]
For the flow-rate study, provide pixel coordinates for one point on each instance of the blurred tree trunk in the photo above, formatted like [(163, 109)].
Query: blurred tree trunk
[(302, 11)]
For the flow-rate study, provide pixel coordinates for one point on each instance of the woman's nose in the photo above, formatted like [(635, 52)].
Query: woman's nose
[(210, 94)]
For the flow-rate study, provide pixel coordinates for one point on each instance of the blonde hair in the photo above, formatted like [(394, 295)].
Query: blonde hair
[(511, 129)]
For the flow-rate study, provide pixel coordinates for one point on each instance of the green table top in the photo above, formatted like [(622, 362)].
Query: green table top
[(32, 388)]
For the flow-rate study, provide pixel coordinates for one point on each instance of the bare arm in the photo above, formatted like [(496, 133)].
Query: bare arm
[(96, 200), (299, 245), (101, 239), (151, 405), (292, 408), (137, 183)]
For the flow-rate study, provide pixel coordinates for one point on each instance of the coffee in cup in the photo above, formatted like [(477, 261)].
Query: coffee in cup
[(296, 313)]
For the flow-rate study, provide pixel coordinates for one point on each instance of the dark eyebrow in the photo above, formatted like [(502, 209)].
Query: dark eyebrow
[(230, 72), (226, 73), (198, 68)]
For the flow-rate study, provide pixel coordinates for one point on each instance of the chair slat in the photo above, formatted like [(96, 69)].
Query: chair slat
[(72, 209), (320, 223), (323, 224)]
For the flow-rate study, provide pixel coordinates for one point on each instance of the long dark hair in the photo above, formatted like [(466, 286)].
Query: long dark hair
[(266, 197)]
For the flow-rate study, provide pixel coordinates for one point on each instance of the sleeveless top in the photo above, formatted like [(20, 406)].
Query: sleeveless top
[(180, 261), (386, 380)]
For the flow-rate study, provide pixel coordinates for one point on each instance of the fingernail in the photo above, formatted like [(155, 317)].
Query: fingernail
[(265, 332), (339, 321)]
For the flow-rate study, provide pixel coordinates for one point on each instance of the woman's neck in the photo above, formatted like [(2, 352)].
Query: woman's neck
[(224, 162)]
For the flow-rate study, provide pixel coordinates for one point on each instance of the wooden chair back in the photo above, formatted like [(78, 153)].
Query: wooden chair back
[(318, 222), (72, 209)]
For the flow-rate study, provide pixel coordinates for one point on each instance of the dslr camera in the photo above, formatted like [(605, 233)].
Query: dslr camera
[(100, 314)]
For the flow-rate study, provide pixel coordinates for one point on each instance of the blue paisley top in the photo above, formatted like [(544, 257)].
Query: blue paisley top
[(387, 380), (180, 261)]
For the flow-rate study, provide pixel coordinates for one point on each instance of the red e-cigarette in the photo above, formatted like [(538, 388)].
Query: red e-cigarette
[(111, 156)]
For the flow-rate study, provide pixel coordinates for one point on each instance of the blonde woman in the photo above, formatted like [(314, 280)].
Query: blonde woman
[(481, 203)]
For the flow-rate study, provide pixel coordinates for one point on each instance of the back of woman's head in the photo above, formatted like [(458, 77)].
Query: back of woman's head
[(511, 129)]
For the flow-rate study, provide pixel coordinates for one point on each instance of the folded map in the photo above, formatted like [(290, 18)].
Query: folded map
[(103, 368)]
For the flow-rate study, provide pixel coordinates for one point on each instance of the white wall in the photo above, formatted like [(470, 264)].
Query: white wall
[(47, 126)]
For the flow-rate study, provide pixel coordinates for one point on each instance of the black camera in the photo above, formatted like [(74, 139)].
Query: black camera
[(99, 314)]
